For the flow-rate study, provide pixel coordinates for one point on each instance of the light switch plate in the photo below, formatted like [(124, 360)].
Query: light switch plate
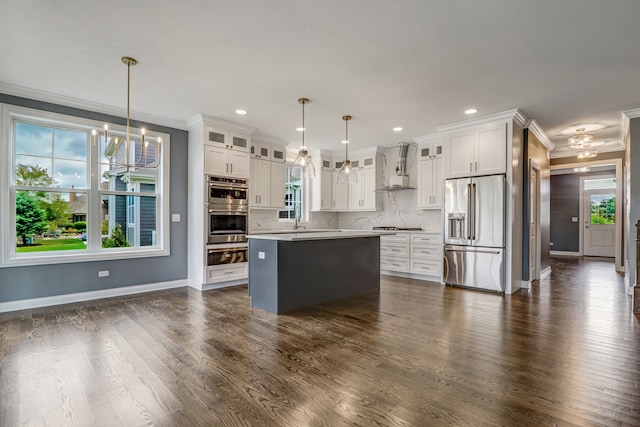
[(261, 255), (574, 219), (175, 217)]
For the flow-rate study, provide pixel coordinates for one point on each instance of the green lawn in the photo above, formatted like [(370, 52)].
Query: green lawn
[(53, 245)]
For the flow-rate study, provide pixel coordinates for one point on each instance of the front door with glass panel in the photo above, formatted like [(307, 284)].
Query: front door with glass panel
[(599, 213)]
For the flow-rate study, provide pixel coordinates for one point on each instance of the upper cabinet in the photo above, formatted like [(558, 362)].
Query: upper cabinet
[(362, 194), (430, 174), (476, 150), (226, 153), (322, 183), (267, 175)]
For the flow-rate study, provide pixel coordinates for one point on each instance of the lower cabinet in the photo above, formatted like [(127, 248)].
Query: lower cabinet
[(412, 255), (225, 273)]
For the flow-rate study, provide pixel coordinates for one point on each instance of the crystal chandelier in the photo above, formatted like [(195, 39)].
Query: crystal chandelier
[(304, 159), (127, 153), (346, 174), (582, 142)]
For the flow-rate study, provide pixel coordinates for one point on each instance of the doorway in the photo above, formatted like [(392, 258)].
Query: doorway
[(534, 219), (598, 199)]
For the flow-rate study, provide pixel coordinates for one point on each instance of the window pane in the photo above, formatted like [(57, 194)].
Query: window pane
[(48, 221), (68, 144), (603, 209), (128, 221), (33, 139), (293, 194), (34, 171), (70, 173)]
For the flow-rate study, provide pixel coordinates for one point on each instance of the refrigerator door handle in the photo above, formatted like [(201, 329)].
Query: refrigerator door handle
[(473, 216), (469, 213), (479, 251)]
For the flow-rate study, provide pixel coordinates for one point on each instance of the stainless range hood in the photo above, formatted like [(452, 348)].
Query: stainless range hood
[(399, 181)]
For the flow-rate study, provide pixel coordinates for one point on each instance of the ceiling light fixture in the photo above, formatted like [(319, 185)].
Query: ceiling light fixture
[(397, 129), (582, 142), (587, 153), (241, 112), (582, 169), (346, 174), (580, 139), (471, 111), (146, 155), (304, 159)]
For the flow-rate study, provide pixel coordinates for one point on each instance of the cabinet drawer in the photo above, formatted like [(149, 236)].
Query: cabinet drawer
[(394, 264), (225, 273), (394, 250), (396, 238), (433, 252), (429, 268), (426, 238)]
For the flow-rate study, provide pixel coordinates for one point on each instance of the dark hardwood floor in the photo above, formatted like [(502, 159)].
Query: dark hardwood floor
[(566, 352)]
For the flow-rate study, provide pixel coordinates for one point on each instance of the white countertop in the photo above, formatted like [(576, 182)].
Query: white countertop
[(320, 235)]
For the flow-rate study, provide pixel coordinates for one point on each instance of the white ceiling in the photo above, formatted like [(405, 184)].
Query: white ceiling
[(413, 63)]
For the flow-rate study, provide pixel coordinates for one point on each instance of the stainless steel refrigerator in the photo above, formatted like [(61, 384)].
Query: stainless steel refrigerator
[(474, 232)]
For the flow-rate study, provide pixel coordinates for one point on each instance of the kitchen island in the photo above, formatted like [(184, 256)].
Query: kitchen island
[(290, 271)]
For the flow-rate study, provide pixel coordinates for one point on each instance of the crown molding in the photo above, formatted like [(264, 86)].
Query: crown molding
[(535, 128), (270, 139), (428, 139), (516, 115), (82, 104), (205, 120), (625, 119)]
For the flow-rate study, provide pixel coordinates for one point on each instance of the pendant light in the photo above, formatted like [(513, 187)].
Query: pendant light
[(304, 159), (122, 152), (346, 174)]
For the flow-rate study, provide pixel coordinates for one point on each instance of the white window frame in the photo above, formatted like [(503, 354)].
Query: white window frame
[(306, 199), (94, 252)]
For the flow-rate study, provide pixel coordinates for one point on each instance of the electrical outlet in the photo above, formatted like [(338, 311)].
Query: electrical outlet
[(103, 273), (261, 255)]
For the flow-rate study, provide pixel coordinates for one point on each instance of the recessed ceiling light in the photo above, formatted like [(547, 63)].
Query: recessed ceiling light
[(397, 129), (471, 111), (344, 141), (241, 111), (300, 129)]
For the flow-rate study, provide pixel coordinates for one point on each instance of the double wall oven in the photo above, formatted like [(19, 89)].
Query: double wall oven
[(227, 216)]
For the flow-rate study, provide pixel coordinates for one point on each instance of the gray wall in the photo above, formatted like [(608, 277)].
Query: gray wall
[(565, 203), (17, 283), (632, 181)]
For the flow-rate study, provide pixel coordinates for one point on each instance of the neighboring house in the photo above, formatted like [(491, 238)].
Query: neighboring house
[(78, 207), (135, 215)]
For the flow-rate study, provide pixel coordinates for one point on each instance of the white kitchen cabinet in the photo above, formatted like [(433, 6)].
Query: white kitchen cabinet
[(267, 176), (322, 184), (226, 162), (417, 255), (340, 193), (430, 184), (221, 148), (477, 150), (394, 253), (362, 195), (260, 183)]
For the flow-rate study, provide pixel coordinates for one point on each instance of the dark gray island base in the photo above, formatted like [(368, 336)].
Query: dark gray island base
[(287, 274)]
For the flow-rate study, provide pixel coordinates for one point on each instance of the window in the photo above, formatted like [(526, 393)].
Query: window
[(294, 194), (603, 204), (76, 193)]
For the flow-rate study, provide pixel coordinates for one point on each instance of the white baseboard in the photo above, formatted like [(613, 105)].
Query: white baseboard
[(26, 304), (564, 253), (545, 273)]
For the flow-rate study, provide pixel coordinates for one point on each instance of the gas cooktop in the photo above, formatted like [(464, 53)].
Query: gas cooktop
[(398, 228)]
